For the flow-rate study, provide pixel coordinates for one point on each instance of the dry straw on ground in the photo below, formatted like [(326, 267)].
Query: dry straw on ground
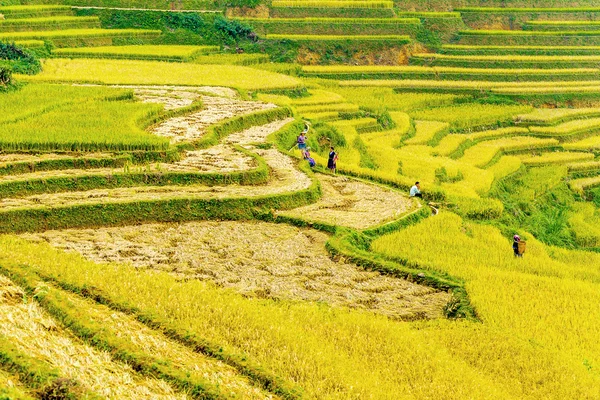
[(354, 204), (254, 258), (193, 126)]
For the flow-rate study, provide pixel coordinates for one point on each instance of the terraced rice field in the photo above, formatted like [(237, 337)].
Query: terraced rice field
[(165, 238)]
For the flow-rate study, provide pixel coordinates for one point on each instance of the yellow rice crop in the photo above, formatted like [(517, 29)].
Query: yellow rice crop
[(426, 130), (160, 73), (548, 115), (348, 69), (547, 299), (556, 158), (334, 3), (591, 143), (584, 223), (482, 153), (567, 127)]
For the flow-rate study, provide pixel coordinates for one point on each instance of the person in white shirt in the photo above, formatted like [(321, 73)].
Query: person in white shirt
[(415, 191)]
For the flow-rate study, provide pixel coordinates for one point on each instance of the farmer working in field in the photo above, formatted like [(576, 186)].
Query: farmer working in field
[(332, 161), (415, 191), (307, 157), (301, 141), (518, 246)]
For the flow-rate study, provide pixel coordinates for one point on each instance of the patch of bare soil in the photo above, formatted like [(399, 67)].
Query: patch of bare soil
[(352, 203), (28, 327), (193, 126), (254, 258)]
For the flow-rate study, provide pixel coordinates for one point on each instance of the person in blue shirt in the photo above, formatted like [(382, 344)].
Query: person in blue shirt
[(415, 191)]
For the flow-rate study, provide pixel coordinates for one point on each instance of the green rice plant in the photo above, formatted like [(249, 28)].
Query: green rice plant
[(427, 14), (482, 154), (425, 131), (32, 11), (402, 39), (30, 43), (554, 116), (584, 222), (335, 26), (505, 61), (338, 107), (358, 124), (376, 99), (334, 3), (542, 38), (329, 12), (472, 116), (322, 116), (318, 97), (558, 157), (392, 21), (160, 73), (116, 126), (561, 25), (461, 49), (48, 23), (467, 85), (36, 99), (68, 37), (144, 52), (344, 72), (244, 59)]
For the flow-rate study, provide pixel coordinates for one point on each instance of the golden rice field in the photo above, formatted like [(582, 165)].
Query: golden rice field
[(164, 236)]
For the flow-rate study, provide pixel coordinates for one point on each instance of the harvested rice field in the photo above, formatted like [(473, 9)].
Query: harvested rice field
[(163, 236), (354, 204), (257, 259), (215, 109)]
